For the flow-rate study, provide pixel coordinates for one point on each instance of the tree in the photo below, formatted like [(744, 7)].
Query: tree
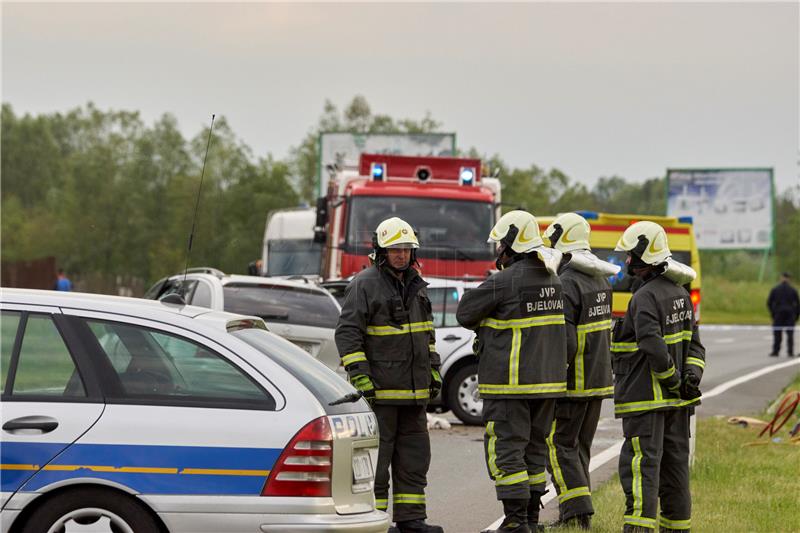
[(357, 117)]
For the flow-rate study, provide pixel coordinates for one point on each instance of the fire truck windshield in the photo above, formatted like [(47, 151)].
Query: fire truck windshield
[(447, 229)]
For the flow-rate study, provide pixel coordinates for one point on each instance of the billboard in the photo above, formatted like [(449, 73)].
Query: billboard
[(731, 208), (344, 149)]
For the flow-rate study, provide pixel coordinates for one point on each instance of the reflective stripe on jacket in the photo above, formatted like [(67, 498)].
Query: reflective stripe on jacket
[(518, 314), (587, 311), (386, 332), (656, 339)]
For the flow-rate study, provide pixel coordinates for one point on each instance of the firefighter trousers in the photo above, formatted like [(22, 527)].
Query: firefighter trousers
[(406, 448), (569, 445), (515, 446), (653, 466)]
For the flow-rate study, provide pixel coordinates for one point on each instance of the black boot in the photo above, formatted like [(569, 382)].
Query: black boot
[(629, 528), (580, 521), (534, 504), (417, 526), (516, 517)]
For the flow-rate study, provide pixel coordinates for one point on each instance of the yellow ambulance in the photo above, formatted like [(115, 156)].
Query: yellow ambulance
[(606, 231)]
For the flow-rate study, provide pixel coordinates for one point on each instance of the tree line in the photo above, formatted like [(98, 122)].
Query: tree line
[(113, 198)]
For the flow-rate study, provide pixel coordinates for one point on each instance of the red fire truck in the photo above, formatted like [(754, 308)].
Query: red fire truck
[(445, 199)]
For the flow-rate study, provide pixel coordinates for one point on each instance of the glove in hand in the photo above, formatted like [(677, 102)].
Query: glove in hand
[(365, 386), (690, 387), (436, 383)]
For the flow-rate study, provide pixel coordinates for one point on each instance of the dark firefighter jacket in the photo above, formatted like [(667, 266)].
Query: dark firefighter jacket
[(587, 311), (386, 332), (783, 304), (656, 343), (518, 314)]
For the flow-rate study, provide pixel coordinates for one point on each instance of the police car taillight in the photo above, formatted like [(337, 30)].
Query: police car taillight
[(304, 468)]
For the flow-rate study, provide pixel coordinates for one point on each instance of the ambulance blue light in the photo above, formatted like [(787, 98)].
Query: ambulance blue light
[(378, 171), (685, 220), (466, 176), (588, 215)]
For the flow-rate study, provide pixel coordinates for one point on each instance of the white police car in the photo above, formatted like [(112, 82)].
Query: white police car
[(454, 344), (196, 421)]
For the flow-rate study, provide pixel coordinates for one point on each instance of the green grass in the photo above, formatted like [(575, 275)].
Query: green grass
[(734, 302), (735, 488)]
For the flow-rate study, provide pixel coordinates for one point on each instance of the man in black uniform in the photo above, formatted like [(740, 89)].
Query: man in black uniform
[(587, 311), (784, 307), (518, 314), (658, 362), (386, 341)]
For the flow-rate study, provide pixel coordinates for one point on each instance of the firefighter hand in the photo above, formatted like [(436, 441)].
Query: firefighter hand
[(690, 388), (436, 382), (476, 347), (672, 383), (364, 385)]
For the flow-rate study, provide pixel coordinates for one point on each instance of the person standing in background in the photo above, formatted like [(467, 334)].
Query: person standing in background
[(784, 307), (62, 282)]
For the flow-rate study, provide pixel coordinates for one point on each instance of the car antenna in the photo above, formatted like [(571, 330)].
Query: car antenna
[(197, 202), (174, 298)]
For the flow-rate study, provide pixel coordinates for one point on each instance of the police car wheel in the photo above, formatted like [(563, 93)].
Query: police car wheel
[(462, 396), (103, 510)]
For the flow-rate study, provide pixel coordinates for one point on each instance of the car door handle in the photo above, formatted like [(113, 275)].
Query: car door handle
[(45, 424), (451, 338)]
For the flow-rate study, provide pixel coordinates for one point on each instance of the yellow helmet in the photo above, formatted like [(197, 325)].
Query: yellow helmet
[(518, 230), (395, 233), (568, 232), (646, 240)]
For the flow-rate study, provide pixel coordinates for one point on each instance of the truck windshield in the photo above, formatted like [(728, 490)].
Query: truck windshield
[(293, 257), (447, 229)]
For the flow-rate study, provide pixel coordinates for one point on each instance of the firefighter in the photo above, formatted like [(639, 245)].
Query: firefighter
[(658, 362), (386, 341), (518, 314), (587, 311)]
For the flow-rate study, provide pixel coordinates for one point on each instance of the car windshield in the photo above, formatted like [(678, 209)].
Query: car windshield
[(622, 281), (280, 303), (319, 379), (447, 229), (287, 257)]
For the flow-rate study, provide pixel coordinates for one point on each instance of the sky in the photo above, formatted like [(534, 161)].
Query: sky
[(593, 89)]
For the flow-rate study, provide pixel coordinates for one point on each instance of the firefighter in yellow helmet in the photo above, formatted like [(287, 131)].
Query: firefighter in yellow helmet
[(658, 363), (387, 344), (587, 311), (518, 314)]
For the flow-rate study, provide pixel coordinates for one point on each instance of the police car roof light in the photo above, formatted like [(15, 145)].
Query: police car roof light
[(378, 171), (304, 467), (588, 215)]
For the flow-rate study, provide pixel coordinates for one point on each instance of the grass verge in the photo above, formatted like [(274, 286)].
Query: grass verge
[(735, 488), (734, 302)]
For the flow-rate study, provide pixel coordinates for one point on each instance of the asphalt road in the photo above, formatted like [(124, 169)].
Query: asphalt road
[(461, 496)]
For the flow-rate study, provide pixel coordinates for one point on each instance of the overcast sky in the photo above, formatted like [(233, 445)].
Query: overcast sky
[(592, 89)]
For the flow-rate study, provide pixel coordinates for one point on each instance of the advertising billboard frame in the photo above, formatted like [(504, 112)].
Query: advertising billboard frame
[(770, 170)]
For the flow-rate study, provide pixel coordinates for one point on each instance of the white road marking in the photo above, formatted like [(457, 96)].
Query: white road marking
[(613, 451)]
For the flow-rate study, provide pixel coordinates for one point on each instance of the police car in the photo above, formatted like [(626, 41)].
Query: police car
[(196, 421), (454, 344)]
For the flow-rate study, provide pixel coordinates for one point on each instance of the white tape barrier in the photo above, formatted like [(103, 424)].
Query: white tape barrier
[(613, 451)]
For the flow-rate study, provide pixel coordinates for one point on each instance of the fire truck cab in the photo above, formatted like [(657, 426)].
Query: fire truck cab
[(445, 199)]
